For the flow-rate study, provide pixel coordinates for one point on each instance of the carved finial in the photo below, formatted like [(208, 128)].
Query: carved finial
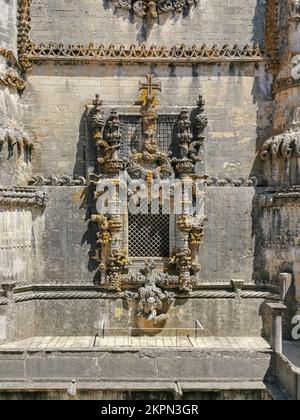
[(97, 102), (201, 103)]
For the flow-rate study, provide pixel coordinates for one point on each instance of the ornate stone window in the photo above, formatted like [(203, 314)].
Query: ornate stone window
[(148, 149)]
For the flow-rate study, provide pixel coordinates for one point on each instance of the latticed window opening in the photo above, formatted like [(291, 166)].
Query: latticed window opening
[(149, 235), (132, 134)]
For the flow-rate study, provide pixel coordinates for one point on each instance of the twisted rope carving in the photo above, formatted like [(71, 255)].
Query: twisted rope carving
[(11, 197), (23, 297), (55, 181), (3, 301)]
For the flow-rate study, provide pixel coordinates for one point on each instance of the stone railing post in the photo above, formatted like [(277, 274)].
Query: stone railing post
[(285, 283), (276, 333)]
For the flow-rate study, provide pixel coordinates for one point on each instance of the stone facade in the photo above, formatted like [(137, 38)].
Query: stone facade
[(241, 139)]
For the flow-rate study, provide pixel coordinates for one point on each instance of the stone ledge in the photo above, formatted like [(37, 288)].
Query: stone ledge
[(157, 365)]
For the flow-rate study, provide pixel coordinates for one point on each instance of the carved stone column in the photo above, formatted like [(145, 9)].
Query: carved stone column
[(287, 82)]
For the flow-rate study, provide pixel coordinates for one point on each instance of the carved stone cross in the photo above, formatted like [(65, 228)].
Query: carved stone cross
[(150, 86), (149, 89)]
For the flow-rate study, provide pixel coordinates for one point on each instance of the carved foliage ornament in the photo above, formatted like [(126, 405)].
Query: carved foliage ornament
[(151, 9)]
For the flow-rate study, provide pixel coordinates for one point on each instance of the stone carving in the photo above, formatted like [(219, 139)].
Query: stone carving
[(149, 163), (295, 10), (151, 9), (97, 120), (286, 145), (57, 293), (15, 138), (12, 79), (201, 122), (118, 265), (150, 153), (135, 53), (290, 196), (150, 298), (57, 181), (185, 258), (212, 181), (24, 42), (104, 235), (272, 34), (107, 137), (9, 56), (22, 197), (190, 143)]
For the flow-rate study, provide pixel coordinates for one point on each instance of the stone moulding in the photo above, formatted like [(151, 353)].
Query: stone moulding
[(290, 196), (68, 181), (53, 181), (177, 54), (26, 296), (230, 182), (22, 197)]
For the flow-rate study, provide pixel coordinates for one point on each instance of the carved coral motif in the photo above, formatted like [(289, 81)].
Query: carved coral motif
[(107, 137), (286, 146), (16, 139), (190, 139), (151, 9), (12, 79), (150, 297), (150, 153), (24, 42)]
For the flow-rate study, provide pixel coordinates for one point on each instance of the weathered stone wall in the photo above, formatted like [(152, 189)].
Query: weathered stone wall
[(227, 253), (20, 244), (237, 97), (65, 317), (97, 21), (14, 165), (8, 25)]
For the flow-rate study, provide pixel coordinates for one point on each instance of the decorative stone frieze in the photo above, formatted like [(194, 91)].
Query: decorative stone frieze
[(152, 54)]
